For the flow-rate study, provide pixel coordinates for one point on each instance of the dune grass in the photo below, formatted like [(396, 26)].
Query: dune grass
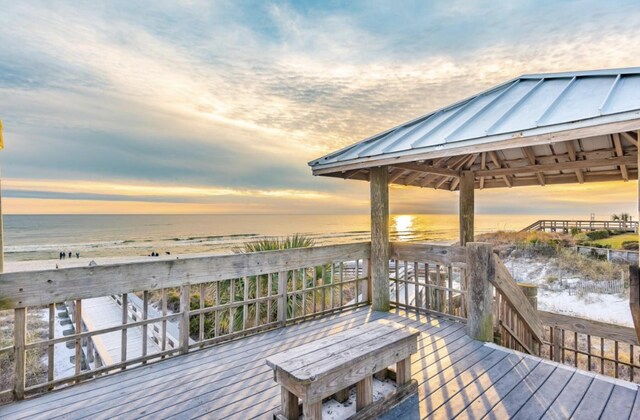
[(615, 241)]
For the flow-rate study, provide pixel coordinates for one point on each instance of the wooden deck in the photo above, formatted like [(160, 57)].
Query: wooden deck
[(457, 376)]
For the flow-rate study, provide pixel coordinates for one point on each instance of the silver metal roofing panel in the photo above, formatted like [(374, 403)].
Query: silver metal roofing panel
[(529, 104)]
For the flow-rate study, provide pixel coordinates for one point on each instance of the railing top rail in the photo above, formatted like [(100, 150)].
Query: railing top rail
[(590, 327), (442, 254), (34, 288)]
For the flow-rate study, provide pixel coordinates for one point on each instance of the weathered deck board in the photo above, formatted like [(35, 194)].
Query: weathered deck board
[(457, 376)]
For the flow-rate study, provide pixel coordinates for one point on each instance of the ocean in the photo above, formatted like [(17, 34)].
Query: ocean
[(39, 237)]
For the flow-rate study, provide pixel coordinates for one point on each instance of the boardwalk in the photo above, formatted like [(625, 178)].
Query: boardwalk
[(457, 376)]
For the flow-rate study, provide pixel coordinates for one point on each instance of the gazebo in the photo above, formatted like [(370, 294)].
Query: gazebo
[(536, 129)]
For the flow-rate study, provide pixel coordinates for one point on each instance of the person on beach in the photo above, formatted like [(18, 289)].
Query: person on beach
[(77, 255), (60, 255), (69, 254)]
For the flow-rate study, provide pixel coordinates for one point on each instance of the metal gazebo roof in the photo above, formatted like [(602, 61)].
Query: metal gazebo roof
[(564, 127)]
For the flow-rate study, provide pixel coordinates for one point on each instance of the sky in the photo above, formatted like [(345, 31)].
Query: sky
[(217, 106)]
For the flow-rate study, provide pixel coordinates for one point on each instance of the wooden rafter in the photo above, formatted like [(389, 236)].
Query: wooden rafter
[(618, 148), (450, 163), (530, 154), (630, 138), (498, 164), (397, 173), (571, 150), (483, 165), (426, 169)]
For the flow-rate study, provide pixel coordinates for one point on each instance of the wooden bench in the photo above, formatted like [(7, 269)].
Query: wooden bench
[(332, 364)]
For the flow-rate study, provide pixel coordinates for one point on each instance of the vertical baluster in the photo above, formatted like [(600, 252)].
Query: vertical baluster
[(123, 338), (163, 345), (416, 287), (185, 306), (245, 308), (602, 355), (589, 351), (77, 318), (357, 276), (427, 288), (439, 293), (216, 330), (51, 347), (575, 348), (269, 290), (632, 364), (294, 295), (257, 306), (341, 279), (232, 299), (20, 356), (304, 292), (450, 286), (145, 327), (282, 297), (615, 352), (406, 285), (314, 283), (332, 287), (201, 316), (324, 288), (395, 269)]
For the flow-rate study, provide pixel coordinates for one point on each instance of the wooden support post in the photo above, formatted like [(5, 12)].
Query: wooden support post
[(379, 267), (77, 318), (20, 357), (403, 371), (282, 298), (125, 320), (480, 273), (557, 344), (342, 395), (185, 297), (364, 393), (634, 297), (466, 207), (51, 347), (289, 404)]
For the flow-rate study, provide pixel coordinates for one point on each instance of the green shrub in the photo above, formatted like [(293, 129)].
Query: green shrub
[(575, 231), (597, 234), (630, 245), (551, 279)]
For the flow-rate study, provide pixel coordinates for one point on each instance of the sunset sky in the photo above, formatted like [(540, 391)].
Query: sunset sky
[(216, 107)]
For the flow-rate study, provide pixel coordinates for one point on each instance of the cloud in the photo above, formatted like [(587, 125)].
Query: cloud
[(240, 96)]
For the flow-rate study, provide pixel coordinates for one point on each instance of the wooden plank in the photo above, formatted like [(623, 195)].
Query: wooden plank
[(379, 268), (35, 288), (590, 327), (185, 304), (620, 152), (569, 398), (620, 402), (504, 283), (594, 400), (454, 404), (542, 399), (496, 392), (480, 273), (428, 169), (437, 254)]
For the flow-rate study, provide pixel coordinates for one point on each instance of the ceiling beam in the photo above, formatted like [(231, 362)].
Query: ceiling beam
[(425, 169), (483, 165), (565, 166), (618, 147), (571, 150), (397, 173)]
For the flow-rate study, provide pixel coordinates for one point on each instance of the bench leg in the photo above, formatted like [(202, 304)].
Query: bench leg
[(403, 371), (364, 393), (290, 408), (342, 396), (312, 411)]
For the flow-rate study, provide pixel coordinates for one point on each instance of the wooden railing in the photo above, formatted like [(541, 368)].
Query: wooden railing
[(208, 299), (590, 345), (567, 225), (516, 321), (428, 278)]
